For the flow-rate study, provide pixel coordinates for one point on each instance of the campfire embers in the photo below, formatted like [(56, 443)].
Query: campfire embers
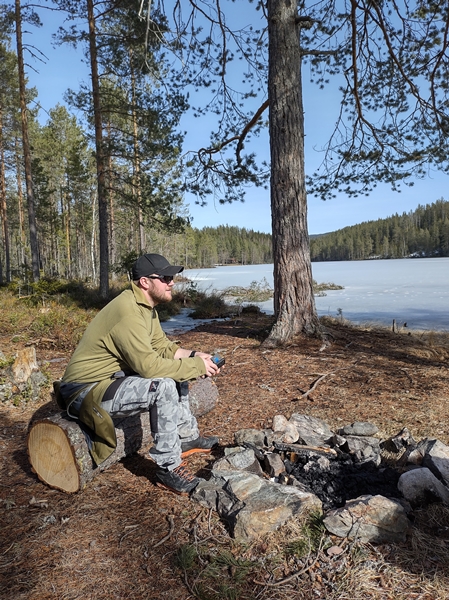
[(335, 479)]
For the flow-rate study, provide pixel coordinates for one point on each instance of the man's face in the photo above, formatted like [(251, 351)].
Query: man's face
[(158, 289)]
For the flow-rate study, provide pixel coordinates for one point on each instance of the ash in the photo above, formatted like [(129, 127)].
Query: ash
[(335, 480)]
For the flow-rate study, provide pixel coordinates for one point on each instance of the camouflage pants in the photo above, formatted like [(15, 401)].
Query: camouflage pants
[(170, 417)]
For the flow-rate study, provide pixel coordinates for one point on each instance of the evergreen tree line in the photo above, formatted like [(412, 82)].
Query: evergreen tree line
[(419, 233), (208, 247), (230, 245)]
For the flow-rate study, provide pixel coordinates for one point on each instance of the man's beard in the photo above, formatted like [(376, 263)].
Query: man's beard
[(160, 297)]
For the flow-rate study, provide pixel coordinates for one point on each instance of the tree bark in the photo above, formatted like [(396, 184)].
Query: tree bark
[(59, 454), (26, 149), (112, 237), (294, 303), (20, 203), (100, 160), (3, 208), (137, 189)]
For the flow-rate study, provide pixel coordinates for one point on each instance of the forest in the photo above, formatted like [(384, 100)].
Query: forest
[(423, 232)]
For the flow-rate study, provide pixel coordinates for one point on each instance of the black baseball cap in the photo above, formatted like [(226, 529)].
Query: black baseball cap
[(153, 264)]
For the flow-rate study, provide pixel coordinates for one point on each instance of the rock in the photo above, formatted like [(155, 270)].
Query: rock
[(242, 460), (295, 483), (364, 448), (359, 428), (338, 441), (268, 509), (250, 504), (203, 396), (369, 519), (244, 485), (206, 493), (437, 460), (279, 423), (312, 431), (414, 455), (420, 486), (274, 465), (289, 435), (401, 440), (251, 436)]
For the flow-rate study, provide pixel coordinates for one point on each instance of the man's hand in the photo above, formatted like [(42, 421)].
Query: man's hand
[(211, 367)]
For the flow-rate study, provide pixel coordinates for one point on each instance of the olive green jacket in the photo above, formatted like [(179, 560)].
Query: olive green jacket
[(126, 335)]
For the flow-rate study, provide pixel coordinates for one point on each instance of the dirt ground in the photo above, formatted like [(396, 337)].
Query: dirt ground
[(123, 537)]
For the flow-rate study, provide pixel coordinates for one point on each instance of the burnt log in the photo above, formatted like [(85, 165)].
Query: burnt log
[(58, 450)]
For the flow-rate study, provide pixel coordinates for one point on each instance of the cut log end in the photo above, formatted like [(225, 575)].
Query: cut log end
[(51, 457)]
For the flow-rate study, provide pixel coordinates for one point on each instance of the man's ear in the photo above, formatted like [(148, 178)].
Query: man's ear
[(143, 283)]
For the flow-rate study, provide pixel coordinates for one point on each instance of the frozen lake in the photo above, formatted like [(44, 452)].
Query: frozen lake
[(412, 291)]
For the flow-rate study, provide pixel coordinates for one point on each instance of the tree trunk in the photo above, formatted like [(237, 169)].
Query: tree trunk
[(294, 303), (22, 256), (100, 160), (3, 208), (65, 210), (26, 149), (136, 159), (112, 237)]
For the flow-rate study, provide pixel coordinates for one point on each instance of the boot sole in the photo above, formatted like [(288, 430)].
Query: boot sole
[(195, 451)]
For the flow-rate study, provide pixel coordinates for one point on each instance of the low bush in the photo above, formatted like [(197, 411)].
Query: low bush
[(212, 306)]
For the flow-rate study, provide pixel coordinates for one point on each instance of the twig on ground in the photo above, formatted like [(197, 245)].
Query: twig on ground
[(317, 381), (314, 385), (169, 534), (131, 529)]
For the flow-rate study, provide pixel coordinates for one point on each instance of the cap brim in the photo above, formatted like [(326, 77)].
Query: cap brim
[(170, 270)]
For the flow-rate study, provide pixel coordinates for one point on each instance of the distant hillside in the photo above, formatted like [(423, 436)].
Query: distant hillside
[(419, 233), (227, 244)]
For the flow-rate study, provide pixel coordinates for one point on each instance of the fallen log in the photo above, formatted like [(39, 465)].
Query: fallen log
[(58, 450), (59, 454)]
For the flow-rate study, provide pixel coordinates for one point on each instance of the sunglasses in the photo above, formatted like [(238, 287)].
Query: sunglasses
[(165, 278)]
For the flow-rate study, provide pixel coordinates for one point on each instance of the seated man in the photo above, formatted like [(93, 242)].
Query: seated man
[(125, 364)]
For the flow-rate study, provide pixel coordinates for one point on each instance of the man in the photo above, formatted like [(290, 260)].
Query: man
[(125, 364)]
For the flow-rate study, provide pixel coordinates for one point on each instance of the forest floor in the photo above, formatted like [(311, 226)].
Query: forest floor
[(122, 537)]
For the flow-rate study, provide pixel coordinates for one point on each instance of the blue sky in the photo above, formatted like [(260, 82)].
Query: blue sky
[(64, 68)]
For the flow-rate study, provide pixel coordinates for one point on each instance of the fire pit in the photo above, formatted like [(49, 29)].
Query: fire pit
[(335, 479), (300, 466)]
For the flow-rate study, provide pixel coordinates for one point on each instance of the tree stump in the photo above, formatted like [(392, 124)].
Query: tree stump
[(58, 450)]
